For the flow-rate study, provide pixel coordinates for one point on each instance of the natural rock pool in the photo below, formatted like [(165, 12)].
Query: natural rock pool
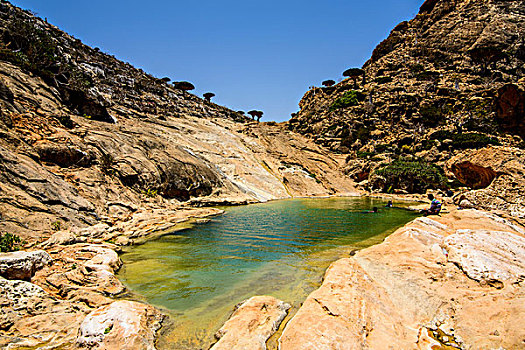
[(281, 248)]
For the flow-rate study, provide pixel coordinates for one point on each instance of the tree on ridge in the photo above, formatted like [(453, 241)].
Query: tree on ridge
[(354, 73), (208, 96), (183, 85)]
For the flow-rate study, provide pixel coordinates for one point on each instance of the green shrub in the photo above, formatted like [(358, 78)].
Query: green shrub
[(414, 176), (32, 48), (66, 121), (442, 135), (431, 115), (365, 154), (473, 140), (433, 112), (349, 98), (151, 192), (56, 226), (9, 242), (461, 140)]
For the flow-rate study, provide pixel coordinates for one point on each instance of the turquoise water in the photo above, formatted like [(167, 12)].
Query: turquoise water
[(279, 248)]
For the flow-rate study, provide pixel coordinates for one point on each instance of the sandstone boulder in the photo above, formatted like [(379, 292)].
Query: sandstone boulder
[(22, 265), (62, 155), (251, 324), (63, 238), (122, 325)]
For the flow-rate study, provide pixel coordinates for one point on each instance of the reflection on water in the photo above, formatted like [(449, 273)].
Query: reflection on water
[(279, 248)]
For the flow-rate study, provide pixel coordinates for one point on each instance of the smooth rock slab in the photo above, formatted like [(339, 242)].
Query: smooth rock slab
[(120, 325), (349, 311), (252, 324), (419, 289), (22, 265), (490, 256)]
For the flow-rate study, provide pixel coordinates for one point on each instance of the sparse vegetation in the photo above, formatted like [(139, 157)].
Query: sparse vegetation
[(29, 47), (66, 121), (472, 140), (414, 176), (56, 225), (150, 192), (461, 140), (365, 155), (349, 98), (431, 114), (9, 242)]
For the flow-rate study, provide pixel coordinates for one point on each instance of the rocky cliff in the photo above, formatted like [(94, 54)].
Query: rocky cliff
[(86, 138), (449, 80)]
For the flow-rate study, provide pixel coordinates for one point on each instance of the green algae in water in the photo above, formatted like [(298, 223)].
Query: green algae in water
[(280, 248)]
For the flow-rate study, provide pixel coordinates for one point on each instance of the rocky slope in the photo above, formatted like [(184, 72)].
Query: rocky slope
[(448, 80), (86, 138)]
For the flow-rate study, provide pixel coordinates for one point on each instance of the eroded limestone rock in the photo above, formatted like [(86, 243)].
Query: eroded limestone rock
[(22, 265), (31, 318), (83, 272), (504, 192)]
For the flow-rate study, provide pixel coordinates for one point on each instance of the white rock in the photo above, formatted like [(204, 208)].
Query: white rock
[(487, 255), (121, 325), (22, 265)]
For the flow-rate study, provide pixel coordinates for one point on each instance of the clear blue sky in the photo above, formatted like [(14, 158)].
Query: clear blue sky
[(251, 54)]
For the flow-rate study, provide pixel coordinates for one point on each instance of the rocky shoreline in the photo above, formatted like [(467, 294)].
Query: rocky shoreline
[(68, 296), (433, 282), (96, 155), (449, 282)]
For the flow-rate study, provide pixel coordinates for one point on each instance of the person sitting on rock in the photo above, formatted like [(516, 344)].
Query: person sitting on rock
[(435, 206)]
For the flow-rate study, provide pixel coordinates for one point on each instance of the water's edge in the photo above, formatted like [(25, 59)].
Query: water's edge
[(191, 223)]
